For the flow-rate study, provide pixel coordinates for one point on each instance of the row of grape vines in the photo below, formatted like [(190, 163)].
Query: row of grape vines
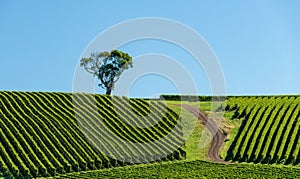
[(269, 132), (45, 134), (191, 169)]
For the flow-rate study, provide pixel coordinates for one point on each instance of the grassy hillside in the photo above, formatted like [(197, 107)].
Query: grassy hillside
[(50, 134), (191, 169), (269, 132), (197, 138), (41, 134)]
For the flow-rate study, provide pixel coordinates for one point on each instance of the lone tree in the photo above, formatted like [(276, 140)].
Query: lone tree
[(107, 66)]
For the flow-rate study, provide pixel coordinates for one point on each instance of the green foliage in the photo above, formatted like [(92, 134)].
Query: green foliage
[(192, 98), (40, 136), (269, 132), (192, 169), (107, 67)]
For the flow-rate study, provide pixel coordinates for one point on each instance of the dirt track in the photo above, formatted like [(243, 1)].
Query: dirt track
[(218, 137)]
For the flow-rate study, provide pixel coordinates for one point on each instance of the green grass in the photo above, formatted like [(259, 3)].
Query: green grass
[(230, 128), (195, 147), (191, 169), (197, 138)]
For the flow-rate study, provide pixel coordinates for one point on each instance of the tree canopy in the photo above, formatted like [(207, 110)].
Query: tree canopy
[(107, 67)]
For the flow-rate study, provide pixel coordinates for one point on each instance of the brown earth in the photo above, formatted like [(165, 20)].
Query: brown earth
[(218, 137)]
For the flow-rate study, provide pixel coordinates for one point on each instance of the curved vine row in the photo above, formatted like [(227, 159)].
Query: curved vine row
[(40, 134)]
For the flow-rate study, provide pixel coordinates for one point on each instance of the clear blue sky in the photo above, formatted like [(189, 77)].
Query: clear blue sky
[(257, 42)]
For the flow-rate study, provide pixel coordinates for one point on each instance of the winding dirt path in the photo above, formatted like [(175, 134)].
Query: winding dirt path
[(218, 137)]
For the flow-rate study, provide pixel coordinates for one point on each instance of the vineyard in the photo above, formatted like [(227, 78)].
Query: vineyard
[(191, 169), (46, 134), (79, 135), (269, 132)]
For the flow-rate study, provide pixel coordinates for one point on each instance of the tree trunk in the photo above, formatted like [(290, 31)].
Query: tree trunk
[(108, 90)]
